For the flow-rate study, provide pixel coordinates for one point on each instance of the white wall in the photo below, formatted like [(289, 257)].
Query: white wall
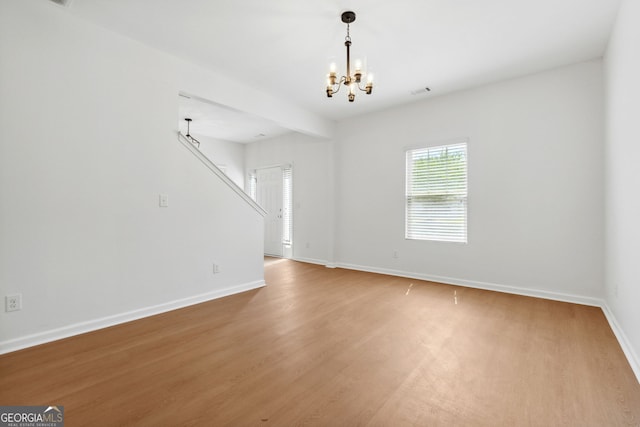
[(225, 153), (622, 68), (87, 142), (535, 185), (311, 159)]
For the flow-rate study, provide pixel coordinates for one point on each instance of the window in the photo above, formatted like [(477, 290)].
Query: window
[(267, 196), (253, 185), (436, 193), (287, 205)]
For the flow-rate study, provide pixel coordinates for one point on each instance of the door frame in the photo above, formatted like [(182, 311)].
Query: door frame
[(287, 249)]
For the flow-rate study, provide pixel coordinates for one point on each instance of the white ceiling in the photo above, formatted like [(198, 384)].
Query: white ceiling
[(284, 47), (223, 122)]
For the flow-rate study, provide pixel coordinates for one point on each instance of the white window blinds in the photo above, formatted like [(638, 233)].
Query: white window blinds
[(253, 185), (436, 193), (287, 205)]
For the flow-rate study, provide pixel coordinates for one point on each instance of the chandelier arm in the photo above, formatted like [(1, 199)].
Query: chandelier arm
[(368, 88), (339, 84)]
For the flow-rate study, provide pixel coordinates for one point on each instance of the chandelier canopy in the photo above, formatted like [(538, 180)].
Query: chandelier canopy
[(349, 80)]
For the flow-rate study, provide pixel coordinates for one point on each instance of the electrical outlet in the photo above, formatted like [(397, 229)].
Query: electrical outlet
[(395, 254), (13, 302), (216, 269), (164, 200)]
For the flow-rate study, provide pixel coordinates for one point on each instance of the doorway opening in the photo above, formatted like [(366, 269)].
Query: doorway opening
[(272, 188)]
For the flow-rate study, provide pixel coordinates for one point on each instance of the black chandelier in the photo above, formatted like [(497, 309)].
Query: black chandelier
[(351, 81)]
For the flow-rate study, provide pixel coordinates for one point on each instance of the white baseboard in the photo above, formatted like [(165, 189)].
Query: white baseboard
[(104, 322), (556, 296), (632, 356), (92, 325), (310, 260), (315, 261)]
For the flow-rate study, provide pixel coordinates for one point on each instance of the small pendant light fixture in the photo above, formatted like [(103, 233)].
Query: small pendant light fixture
[(188, 135), (351, 81)]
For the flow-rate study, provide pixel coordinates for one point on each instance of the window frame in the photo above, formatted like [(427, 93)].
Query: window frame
[(460, 237), (287, 205), (252, 184)]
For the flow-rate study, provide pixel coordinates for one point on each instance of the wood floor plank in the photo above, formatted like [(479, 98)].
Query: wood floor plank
[(335, 347)]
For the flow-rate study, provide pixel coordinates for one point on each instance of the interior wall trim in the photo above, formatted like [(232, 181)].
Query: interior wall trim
[(310, 260), (105, 322), (632, 356), (556, 296), (629, 352), (223, 176), (83, 327)]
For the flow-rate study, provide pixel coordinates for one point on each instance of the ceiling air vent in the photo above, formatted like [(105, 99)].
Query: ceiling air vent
[(421, 91), (64, 3)]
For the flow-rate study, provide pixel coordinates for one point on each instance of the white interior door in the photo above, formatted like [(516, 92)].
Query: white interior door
[(269, 196)]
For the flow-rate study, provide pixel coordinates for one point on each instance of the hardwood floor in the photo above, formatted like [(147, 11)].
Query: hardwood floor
[(333, 347)]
